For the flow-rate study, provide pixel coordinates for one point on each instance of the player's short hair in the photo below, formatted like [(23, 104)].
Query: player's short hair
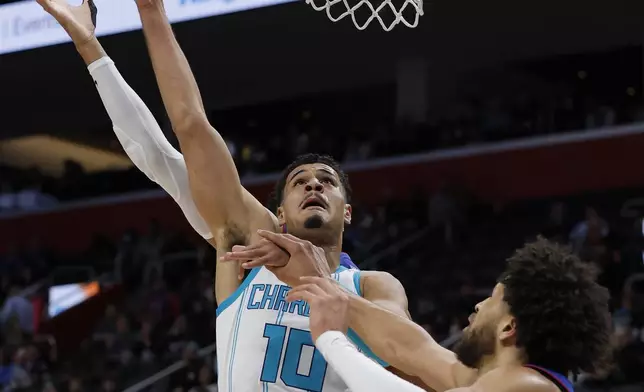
[(562, 313), (278, 193)]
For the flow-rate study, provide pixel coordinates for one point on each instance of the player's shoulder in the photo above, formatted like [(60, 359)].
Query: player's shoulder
[(385, 290), (379, 279), (514, 379), (379, 276)]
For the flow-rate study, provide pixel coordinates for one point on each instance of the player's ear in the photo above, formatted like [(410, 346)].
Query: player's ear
[(280, 216), (347, 214), (507, 329)]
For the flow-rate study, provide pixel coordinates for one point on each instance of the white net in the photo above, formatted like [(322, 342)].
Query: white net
[(386, 13)]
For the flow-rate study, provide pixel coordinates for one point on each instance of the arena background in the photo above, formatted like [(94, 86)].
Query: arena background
[(490, 123)]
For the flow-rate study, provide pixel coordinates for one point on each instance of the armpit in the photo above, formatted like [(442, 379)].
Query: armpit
[(231, 236)]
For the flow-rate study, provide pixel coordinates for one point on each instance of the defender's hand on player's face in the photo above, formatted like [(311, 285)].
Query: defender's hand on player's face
[(262, 253), (329, 304), (78, 21)]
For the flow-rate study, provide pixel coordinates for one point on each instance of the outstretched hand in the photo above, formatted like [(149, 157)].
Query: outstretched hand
[(263, 253), (287, 256), (78, 21)]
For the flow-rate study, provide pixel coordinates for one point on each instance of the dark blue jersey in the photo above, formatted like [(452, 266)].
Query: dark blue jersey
[(562, 382)]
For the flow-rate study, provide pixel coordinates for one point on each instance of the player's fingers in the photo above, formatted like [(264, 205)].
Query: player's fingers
[(299, 296), (317, 290), (241, 248), (281, 240), (302, 294), (229, 258), (271, 236), (246, 254), (312, 288), (298, 241), (240, 274), (278, 256), (297, 289), (258, 262), (325, 285)]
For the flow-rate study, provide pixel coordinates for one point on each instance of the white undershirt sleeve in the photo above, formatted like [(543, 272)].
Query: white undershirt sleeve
[(360, 373), (144, 141)]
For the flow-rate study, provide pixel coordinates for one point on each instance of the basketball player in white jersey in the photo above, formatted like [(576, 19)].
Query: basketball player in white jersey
[(263, 343)]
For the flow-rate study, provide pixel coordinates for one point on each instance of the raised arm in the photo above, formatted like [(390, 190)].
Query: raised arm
[(134, 125), (143, 140), (230, 211), (140, 135)]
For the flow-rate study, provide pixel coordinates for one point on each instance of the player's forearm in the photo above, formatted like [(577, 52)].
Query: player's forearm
[(394, 339), (360, 373), (143, 140), (177, 84), (227, 280), (214, 182)]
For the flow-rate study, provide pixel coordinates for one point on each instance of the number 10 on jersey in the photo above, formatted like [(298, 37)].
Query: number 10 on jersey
[(295, 340)]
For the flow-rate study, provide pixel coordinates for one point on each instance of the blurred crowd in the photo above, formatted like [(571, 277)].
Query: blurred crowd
[(168, 315), (351, 126)]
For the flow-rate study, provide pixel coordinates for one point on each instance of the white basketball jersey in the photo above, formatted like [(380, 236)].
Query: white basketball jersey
[(264, 343)]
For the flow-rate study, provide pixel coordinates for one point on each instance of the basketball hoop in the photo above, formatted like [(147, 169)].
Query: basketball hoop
[(407, 13)]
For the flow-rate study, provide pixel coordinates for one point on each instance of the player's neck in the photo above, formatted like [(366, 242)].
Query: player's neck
[(331, 244), (333, 256), (505, 357)]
